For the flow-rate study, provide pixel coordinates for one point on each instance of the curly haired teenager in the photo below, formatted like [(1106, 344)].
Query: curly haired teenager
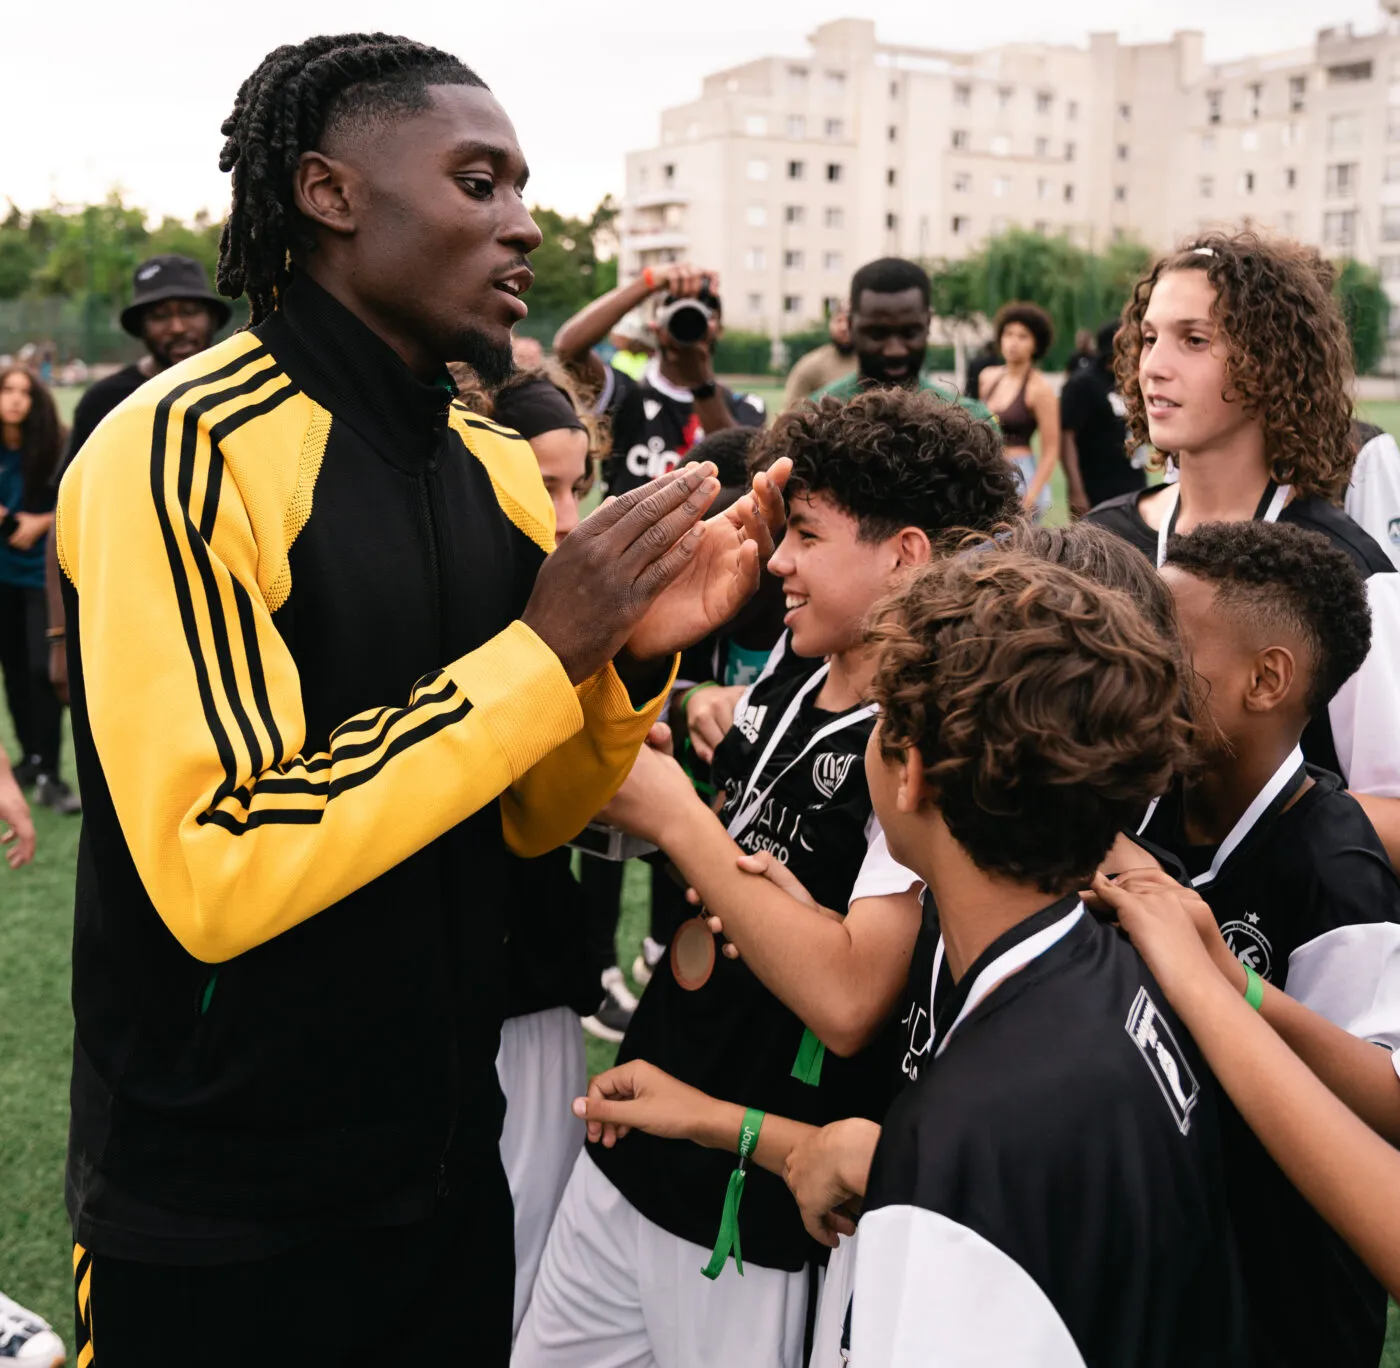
[(1233, 359)]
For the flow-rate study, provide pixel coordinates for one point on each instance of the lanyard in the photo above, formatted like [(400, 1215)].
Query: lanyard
[(1171, 506), (752, 801), (1285, 778), (1008, 962)]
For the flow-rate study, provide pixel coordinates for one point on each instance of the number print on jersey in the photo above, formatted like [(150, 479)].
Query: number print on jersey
[(1157, 1045), (1249, 944)]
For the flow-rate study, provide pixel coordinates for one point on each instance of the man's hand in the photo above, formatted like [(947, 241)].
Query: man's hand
[(764, 866), (721, 573), (683, 280), (828, 1170), (709, 714), (16, 825), (651, 796), (599, 584), (639, 1096), (32, 527)]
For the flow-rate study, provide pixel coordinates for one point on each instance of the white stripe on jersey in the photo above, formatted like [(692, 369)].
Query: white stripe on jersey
[(930, 1291), (1351, 976), (1365, 714)]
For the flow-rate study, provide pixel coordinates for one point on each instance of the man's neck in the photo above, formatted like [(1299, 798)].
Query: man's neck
[(974, 908), (847, 682), (411, 352), (14, 436), (1217, 798), (1223, 483)]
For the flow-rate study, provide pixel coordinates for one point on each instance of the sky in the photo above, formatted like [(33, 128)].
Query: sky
[(102, 95)]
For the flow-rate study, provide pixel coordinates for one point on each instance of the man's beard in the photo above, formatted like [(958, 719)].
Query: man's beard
[(872, 368), (492, 361)]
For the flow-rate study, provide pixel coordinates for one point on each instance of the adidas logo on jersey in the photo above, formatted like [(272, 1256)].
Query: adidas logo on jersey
[(749, 721), (829, 771), (1157, 1045)]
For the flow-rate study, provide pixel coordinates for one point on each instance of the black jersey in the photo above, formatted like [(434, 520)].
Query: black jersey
[(1050, 1190), (1306, 896), (793, 780), (654, 424), (1358, 736)]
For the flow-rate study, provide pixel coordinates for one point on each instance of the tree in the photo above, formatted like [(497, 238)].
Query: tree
[(1366, 307), (568, 268)]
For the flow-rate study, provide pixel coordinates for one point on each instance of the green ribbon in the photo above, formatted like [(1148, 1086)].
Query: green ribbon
[(807, 1067), (728, 1237)]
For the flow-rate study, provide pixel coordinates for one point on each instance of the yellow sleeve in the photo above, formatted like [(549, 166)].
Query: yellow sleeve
[(194, 704)]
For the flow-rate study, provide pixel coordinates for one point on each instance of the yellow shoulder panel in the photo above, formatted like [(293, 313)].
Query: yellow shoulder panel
[(515, 474)]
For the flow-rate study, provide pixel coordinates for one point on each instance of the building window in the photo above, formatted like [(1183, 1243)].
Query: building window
[(831, 263), (1297, 93), (960, 225), (1291, 134), (1001, 145), (1042, 227), (1344, 131), (1069, 192), (1042, 147), (668, 173), (1392, 125), (1120, 193), (1001, 186), (1341, 180), (797, 78), (962, 183), (835, 82), (1389, 267), (1290, 177), (1390, 224), (755, 125), (894, 90), (1044, 100), (833, 172), (1125, 112), (1392, 169), (641, 178), (1208, 143), (892, 133), (1246, 182), (960, 140), (832, 304), (796, 170), (890, 176), (1214, 100), (1004, 94), (835, 216), (1339, 229), (755, 259), (1069, 151), (756, 216), (962, 95), (1042, 189), (836, 128), (755, 302), (1254, 100), (891, 221), (758, 170), (792, 260), (1249, 140), (1122, 151), (796, 127), (1349, 72), (1207, 187), (792, 304), (796, 214), (1072, 109)]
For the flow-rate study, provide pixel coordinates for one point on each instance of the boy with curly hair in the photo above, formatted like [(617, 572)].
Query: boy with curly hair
[(1304, 899), (1234, 363), (878, 482)]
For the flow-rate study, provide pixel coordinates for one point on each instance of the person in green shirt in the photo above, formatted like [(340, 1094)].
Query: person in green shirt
[(889, 327)]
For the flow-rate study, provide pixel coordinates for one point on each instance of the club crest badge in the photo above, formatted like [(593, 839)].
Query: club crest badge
[(1249, 944), (829, 771)]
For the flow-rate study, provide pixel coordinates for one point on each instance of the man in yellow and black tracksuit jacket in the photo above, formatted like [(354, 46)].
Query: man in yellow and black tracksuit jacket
[(309, 726)]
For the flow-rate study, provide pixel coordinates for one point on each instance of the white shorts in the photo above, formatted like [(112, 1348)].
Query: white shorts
[(835, 1299), (542, 1069), (616, 1291)]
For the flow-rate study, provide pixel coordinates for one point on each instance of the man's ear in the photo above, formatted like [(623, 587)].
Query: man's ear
[(325, 191), (1270, 679), (913, 547), (913, 789)]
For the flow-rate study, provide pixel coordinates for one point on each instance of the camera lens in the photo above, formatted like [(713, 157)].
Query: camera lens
[(687, 322)]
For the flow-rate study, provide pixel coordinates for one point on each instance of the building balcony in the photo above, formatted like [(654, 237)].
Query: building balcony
[(659, 199), (654, 240)]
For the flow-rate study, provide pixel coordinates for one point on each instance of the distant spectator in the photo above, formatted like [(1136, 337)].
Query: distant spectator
[(833, 361), (1023, 400), (1084, 353), (633, 342), (986, 355), (527, 352), (1094, 433)]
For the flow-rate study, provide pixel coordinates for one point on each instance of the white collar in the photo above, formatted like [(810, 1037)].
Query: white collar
[(652, 376)]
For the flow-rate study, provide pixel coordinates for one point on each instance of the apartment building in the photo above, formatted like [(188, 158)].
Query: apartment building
[(787, 173)]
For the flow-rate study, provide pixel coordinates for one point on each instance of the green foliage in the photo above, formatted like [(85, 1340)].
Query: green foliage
[(1366, 307), (568, 270), (808, 340), (1076, 287), (743, 353)]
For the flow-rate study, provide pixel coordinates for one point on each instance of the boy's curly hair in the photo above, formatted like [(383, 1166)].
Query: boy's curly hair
[(895, 458), (1046, 710), (1288, 357), (1277, 575)]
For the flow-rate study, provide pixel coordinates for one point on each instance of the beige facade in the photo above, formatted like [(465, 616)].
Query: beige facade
[(788, 173)]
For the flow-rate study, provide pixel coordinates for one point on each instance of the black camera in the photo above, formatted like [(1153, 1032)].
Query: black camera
[(687, 320)]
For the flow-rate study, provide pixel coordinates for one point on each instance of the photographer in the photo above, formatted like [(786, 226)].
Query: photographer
[(657, 419)]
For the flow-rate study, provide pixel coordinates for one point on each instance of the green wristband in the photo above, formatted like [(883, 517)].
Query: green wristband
[(728, 1237), (695, 689), (1253, 988)]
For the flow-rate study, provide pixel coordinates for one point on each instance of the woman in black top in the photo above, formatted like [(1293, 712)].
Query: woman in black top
[(1022, 399)]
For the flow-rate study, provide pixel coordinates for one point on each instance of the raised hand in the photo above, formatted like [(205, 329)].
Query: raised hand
[(639, 1096)]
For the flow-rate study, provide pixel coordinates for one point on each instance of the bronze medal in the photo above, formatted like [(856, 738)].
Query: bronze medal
[(693, 953)]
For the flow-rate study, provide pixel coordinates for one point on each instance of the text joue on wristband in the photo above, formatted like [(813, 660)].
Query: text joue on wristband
[(728, 1237)]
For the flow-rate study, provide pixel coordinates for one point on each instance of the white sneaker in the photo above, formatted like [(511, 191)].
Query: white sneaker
[(645, 964), (27, 1340), (614, 1013)]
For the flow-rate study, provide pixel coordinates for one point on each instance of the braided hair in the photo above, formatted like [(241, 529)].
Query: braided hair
[(298, 96)]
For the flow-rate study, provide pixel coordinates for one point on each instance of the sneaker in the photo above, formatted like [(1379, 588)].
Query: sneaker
[(645, 964), (26, 772), (27, 1340), (614, 1013), (54, 793)]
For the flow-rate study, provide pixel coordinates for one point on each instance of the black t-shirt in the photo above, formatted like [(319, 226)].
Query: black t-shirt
[(547, 963), (1309, 899), (1122, 517), (654, 424), (1092, 409), (98, 400), (732, 1038), (1050, 1189)]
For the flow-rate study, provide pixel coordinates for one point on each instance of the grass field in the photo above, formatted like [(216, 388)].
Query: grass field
[(36, 1034)]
